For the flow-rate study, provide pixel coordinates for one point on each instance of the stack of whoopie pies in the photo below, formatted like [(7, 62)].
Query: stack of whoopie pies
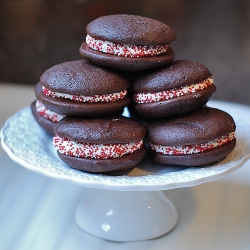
[(127, 62)]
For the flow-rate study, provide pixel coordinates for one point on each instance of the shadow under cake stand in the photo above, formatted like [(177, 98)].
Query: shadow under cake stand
[(128, 207)]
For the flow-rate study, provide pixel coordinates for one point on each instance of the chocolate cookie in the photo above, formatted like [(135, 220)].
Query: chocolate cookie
[(100, 144), (203, 137), (82, 89), (178, 88), (128, 42), (44, 117)]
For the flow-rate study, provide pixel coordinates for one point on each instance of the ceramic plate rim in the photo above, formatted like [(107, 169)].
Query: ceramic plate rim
[(152, 182)]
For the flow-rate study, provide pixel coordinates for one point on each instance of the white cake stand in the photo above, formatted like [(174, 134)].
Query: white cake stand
[(128, 207)]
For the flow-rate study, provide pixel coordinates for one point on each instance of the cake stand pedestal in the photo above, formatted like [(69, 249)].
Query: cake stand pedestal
[(127, 207), (126, 215)]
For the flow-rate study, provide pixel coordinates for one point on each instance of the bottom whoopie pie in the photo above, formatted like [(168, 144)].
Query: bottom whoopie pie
[(45, 117), (100, 145), (200, 138)]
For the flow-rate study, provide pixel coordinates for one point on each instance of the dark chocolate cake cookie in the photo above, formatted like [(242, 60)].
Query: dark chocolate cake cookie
[(82, 89), (178, 88), (199, 138), (46, 118), (128, 42), (100, 144)]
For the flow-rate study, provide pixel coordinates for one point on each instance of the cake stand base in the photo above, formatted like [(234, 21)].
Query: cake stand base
[(126, 215), (136, 210)]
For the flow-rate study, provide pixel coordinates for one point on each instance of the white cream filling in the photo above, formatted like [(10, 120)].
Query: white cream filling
[(192, 149), (47, 113), (172, 93), (95, 151), (82, 98)]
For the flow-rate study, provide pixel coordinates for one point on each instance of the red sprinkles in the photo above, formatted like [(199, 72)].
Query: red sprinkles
[(193, 149), (125, 50), (94, 151), (172, 93), (47, 113), (81, 98)]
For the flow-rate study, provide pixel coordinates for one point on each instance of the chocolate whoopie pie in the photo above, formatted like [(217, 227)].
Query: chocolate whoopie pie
[(203, 137), (100, 145), (128, 42), (46, 118), (178, 88), (80, 88)]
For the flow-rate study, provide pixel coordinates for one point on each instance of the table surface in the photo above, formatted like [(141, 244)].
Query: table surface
[(37, 212)]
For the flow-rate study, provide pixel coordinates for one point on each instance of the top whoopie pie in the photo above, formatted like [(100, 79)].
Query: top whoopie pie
[(82, 89), (179, 88), (199, 138), (128, 42)]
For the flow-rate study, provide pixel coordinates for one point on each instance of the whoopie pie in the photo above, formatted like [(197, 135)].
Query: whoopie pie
[(128, 42), (44, 117), (179, 88), (100, 145), (80, 88), (203, 137)]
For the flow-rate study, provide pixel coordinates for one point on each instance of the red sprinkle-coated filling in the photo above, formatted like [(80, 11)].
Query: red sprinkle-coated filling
[(172, 93), (94, 151), (125, 50), (47, 113), (192, 149), (81, 98)]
